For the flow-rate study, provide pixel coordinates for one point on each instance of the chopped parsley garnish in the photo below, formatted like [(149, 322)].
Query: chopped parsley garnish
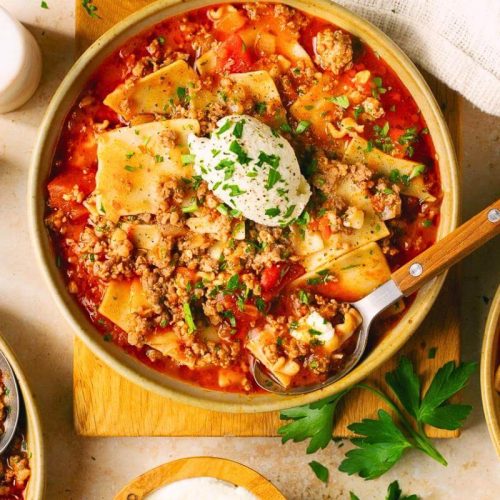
[(260, 108), (192, 207), (129, 155), (303, 297), (90, 9), (285, 127), (233, 283), (238, 129), (312, 331), (197, 179), (289, 211), (378, 89), (273, 177), (273, 212), (417, 170), (395, 176), (159, 159), (427, 223), (44, 4), (188, 317), (235, 147), (273, 160), (182, 94), (223, 209), (340, 100), (358, 111), (161, 40), (233, 189), (224, 127), (187, 159), (223, 164), (130, 168), (410, 135), (303, 219), (260, 303), (302, 126), (230, 316), (320, 471)]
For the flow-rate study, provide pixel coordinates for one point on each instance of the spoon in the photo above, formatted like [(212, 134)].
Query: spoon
[(404, 281), (11, 402)]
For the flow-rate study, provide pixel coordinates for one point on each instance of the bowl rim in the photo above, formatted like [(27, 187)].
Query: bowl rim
[(34, 436), (222, 469), (489, 363), (183, 392)]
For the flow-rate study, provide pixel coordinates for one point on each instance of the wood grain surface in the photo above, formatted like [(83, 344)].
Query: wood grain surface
[(187, 468), (105, 404)]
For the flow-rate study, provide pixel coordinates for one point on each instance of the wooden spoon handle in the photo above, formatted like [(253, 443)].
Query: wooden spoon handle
[(448, 251)]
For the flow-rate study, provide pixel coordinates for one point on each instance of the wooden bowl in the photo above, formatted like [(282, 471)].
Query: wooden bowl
[(36, 484), (186, 468), (490, 360), (128, 366)]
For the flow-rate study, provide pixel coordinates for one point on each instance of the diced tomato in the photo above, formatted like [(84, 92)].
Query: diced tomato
[(63, 185), (277, 277), (233, 56), (325, 227), (188, 274)]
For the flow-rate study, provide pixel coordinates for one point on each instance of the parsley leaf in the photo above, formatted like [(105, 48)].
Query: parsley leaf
[(320, 470), (394, 493), (448, 381), (382, 444), (313, 421), (406, 385)]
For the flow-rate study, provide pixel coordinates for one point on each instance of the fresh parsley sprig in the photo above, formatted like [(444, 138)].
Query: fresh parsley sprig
[(394, 492), (381, 442)]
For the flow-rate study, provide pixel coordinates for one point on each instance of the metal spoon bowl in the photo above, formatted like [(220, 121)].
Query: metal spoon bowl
[(11, 402), (369, 307), (404, 281)]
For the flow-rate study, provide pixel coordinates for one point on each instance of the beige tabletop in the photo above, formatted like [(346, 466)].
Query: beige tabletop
[(84, 468)]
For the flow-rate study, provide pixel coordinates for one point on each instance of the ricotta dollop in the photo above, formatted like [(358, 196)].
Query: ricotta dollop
[(251, 169), (201, 487)]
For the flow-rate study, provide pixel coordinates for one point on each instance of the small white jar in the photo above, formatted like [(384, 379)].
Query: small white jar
[(20, 63)]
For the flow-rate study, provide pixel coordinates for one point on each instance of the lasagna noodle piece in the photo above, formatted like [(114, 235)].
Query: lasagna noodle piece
[(283, 370), (344, 241), (358, 151), (154, 93), (353, 275), (133, 161), (261, 87), (123, 299), (316, 107)]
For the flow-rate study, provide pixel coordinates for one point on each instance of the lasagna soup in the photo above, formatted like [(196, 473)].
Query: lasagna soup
[(228, 181)]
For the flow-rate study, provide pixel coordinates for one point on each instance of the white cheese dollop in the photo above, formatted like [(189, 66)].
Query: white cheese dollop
[(252, 170), (314, 326), (201, 487)]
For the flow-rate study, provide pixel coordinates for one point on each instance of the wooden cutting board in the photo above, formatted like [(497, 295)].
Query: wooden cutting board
[(106, 404)]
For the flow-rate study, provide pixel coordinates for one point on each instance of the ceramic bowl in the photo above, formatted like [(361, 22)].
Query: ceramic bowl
[(187, 468), (21, 63), (129, 366), (35, 487), (490, 361)]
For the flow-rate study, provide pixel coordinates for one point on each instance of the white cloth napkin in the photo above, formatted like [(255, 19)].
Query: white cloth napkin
[(458, 41)]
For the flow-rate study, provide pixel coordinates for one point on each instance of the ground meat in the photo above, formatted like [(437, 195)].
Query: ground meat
[(386, 200), (333, 50)]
